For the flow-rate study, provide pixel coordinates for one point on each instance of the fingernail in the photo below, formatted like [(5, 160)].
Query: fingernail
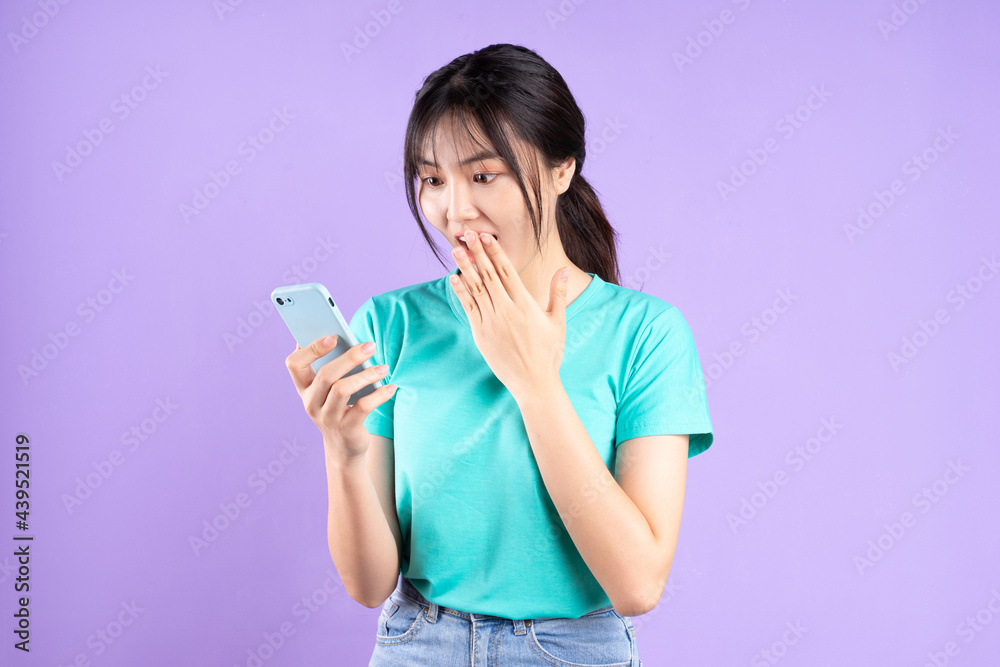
[(487, 239), (368, 347), (564, 275), (328, 341)]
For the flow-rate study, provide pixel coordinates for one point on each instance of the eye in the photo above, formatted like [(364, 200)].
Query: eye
[(492, 176), (426, 180)]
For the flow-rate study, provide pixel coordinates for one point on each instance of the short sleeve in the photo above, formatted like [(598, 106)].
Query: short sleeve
[(365, 325), (664, 391)]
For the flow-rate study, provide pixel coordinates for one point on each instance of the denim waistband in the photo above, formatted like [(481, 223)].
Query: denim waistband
[(430, 611), (407, 588)]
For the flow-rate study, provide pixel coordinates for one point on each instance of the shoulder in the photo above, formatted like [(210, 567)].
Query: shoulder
[(395, 308), (406, 297), (645, 327), (638, 312)]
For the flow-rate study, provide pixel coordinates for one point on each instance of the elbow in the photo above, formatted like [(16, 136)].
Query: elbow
[(372, 602), (636, 601), (372, 599), (637, 605), (644, 596)]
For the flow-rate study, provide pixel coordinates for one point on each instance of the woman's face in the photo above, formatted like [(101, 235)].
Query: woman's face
[(470, 189)]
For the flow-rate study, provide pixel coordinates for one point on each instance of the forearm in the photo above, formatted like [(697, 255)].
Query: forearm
[(607, 528), (361, 543)]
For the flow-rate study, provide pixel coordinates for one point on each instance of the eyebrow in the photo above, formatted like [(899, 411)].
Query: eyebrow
[(485, 155)]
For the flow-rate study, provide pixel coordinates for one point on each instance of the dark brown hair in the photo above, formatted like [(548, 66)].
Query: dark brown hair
[(506, 88)]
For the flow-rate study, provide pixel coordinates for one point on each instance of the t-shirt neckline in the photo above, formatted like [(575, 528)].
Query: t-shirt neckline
[(456, 306)]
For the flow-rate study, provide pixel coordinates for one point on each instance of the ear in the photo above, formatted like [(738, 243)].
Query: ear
[(562, 174)]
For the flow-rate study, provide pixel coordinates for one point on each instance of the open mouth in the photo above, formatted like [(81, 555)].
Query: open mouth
[(461, 239), (465, 245)]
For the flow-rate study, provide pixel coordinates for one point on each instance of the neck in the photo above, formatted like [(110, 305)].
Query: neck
[(538, 273)]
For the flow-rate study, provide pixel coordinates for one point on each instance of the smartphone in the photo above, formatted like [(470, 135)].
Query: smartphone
[(310, 313)]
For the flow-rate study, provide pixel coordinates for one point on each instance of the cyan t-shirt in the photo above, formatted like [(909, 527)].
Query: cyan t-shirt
[(480, 532)]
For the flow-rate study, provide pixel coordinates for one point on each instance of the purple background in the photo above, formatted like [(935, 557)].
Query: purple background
[(663, 133)]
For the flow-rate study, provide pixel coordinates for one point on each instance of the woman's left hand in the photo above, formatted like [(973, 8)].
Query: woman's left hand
[(522, 344)]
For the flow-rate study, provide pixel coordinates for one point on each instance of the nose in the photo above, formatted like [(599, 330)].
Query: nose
[(461, 206)]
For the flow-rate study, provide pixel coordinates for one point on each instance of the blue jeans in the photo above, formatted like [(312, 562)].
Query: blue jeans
[(414, 632)]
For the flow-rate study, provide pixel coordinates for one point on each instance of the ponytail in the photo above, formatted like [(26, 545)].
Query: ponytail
[(587, 236)]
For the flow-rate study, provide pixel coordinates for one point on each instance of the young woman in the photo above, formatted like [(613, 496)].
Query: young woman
[(525, 471)]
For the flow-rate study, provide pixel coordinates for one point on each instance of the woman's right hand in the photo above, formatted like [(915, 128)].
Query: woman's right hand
[(325, 394)]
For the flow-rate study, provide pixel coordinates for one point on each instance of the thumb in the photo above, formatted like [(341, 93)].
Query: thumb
[(557, 291)]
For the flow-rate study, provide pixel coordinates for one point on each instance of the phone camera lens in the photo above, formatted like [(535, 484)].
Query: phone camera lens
[(280, 301)]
